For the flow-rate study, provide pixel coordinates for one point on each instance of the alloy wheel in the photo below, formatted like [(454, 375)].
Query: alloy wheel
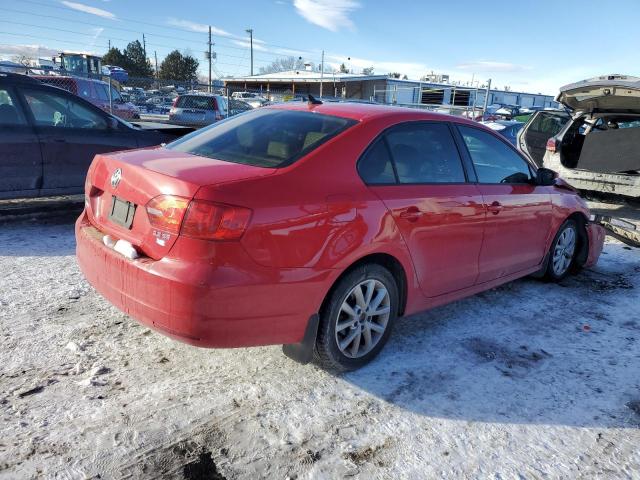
[(563, 251), (363, 318)]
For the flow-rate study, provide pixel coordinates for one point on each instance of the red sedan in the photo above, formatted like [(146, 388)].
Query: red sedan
[(316, 226)]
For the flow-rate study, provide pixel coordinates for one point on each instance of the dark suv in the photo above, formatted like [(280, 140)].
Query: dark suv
[(48, 138)]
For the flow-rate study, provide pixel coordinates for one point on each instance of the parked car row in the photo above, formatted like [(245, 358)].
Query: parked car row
[(507, 128), (49, 136)]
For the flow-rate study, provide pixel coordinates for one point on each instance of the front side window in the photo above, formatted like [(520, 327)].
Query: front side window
[(10, 114), (51, 109), (494, 161), (425, 153), (263, 138)]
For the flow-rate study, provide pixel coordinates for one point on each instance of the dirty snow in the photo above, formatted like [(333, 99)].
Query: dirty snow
[(530, 380)]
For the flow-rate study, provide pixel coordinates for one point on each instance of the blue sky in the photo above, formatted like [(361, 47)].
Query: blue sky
[(532, 46)]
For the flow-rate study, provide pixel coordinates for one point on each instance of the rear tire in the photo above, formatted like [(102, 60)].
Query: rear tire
[(562, 254), (357, 318)]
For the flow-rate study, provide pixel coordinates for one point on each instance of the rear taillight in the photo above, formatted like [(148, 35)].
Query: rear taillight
[(552, 145), (213, 221), (175, 102), (165, 212)]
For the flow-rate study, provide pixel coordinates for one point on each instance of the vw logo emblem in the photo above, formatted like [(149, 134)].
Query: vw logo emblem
[(116, 177)]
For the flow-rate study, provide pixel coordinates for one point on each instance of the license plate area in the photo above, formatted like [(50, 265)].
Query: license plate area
[(122, 212)]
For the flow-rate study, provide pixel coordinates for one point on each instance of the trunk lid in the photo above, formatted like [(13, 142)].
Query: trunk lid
[(137, 176), (608, 93)]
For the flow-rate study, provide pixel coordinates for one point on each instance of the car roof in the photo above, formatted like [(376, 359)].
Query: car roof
[(17, 78), (197, 94), (368, 111)]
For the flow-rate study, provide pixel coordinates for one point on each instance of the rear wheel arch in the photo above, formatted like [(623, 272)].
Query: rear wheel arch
[(303, 351), (385, 260)]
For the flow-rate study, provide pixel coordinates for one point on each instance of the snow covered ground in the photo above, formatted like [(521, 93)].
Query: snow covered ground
[(530, 380)]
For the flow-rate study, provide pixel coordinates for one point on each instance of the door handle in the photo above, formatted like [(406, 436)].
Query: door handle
[(495, 208), (411, 214)]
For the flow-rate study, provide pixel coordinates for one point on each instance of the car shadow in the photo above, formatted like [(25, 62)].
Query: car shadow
[(38, 238), (526, 352)]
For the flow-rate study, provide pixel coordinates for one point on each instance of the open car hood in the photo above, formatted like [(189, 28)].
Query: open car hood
[(608, 93)]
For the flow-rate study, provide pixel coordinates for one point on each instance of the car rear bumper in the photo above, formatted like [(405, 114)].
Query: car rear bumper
[(227, 304), (614, 183)]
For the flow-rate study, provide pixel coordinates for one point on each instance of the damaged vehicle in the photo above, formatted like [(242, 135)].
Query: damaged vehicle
[(595, 144), (317, 225)]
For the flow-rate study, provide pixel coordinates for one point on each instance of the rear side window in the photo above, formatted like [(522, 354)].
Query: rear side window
[(10, 113), (494, 161), (425, 153), (264, 138), (548, 123), (196, 102), (375, 166)]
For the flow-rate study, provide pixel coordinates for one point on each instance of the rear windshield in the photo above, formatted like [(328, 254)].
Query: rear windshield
[(263, 138), (197, 102)]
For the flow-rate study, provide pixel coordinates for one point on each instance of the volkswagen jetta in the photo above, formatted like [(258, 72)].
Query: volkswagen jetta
[(315, 226)]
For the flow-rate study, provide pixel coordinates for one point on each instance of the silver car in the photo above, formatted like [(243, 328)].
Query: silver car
[(251, 98), (201, 109), (595, 144)]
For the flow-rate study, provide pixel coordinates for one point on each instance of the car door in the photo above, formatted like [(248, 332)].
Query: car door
[(532, 139), (20, 158), (71, 132), (416, 170), (518, 211)]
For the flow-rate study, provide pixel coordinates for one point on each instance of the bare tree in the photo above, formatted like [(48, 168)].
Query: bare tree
[(283, 64), (22, 60)]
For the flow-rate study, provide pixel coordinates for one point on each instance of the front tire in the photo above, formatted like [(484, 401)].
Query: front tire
[(562, 254), (357, 318)]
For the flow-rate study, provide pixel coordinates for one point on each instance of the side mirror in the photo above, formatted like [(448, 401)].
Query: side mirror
[(545, 177)]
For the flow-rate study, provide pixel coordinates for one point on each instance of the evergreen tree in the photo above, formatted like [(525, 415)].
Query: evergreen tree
[(177, 66), (138, 65), (115, 57)]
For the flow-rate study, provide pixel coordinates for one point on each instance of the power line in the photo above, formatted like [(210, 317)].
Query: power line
[(137, 32), (139, 22), (151, 44), (84, 44)]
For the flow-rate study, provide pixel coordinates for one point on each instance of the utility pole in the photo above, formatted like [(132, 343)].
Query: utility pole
[(144, 46), (321, 72), (109, 44), (486, 98), (209, 58), (155, 55), (250, 32)]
